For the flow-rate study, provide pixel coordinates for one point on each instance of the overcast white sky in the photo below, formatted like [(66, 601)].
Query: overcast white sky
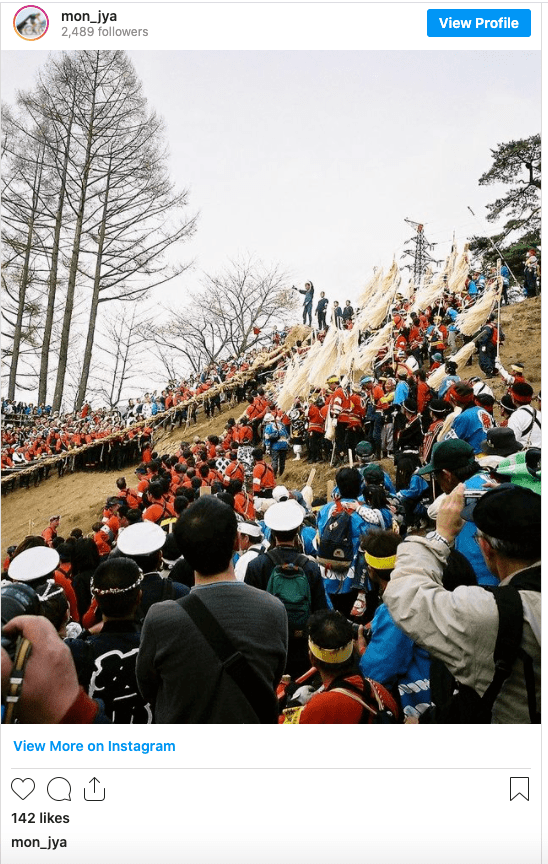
[(313, 159)]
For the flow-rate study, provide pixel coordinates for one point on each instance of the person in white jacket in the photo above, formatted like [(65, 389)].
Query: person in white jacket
[(526, 420)]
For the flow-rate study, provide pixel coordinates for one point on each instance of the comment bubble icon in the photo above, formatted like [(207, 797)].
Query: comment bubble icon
[(59, 789)]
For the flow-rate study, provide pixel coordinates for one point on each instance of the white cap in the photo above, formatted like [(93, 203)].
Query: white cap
[(33, 564), (280, 493), (268, 418), (284, 516), (143, 538), (250, 528)]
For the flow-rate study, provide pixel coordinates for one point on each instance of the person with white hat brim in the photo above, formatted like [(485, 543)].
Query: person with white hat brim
[(284, 520), (34, 565), (38, 565), (143, 543), (251, 543)]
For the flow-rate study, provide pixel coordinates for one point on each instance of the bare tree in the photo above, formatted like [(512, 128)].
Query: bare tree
[(22, 235), (112, 212), (121, 340), (229, 313)]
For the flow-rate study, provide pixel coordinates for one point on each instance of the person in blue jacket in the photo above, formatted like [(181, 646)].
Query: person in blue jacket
[(473, 423), (339, 584), (308, 300), (453, 462), (450, 378), (388, 655), (374, 474), (276, 442)]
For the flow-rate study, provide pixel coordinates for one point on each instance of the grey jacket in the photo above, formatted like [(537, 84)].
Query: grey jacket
[(460, 627)]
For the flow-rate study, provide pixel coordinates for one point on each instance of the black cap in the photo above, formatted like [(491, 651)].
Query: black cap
[(506, 403), (410, 405), (508, 512), (500, 441), (440, 406)]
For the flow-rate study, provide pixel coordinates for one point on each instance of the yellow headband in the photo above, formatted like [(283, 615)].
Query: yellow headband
[(331, 655), (380, 563)]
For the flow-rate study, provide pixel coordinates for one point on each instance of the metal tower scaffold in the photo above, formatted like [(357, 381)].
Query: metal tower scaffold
[(419, 253)]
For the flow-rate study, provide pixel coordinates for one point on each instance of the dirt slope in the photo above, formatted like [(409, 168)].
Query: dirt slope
[(79, 498)]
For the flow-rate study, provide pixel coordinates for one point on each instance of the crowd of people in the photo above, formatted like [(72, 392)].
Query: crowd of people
[(209, 592), (34, 437)]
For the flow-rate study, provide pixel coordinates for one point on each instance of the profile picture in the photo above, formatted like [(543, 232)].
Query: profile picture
[(31, 22)]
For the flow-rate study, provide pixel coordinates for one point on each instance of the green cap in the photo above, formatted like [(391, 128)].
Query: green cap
[(373, 473), (450, 454), (364, 448)]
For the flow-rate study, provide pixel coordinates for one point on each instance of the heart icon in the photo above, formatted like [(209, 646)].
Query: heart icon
[(23, 788)]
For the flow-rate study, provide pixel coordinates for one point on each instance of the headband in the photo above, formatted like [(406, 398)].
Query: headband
[(101, 592), (331, 655), (50, 589), (387, 563)]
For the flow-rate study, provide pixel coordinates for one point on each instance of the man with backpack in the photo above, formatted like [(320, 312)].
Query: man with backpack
[(489, 639), (288, 574), (338, 540)]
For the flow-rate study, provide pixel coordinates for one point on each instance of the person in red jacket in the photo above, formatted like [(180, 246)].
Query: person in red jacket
[(243, 433), (263, 475), (423, 390), (159, 508), (339, 409), (243, 503), (234, 470), (110, 516), (50, 533), (127, 495), (100, 538), (316, 429)]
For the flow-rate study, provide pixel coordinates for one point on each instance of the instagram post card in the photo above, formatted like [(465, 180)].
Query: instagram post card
[(271, 432)]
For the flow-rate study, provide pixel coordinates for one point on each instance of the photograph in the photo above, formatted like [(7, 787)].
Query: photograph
[(271, 386)]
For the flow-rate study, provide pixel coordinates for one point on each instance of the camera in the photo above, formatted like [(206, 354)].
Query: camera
[(471, 495), (17, 599)]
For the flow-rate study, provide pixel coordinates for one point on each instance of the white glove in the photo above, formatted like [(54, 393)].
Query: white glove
[(304, 694)]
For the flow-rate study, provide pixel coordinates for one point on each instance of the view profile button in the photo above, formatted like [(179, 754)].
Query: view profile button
[(478, 22), (519, 786)]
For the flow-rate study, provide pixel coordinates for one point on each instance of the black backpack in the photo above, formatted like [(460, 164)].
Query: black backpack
[(336, 550), (466, 705)]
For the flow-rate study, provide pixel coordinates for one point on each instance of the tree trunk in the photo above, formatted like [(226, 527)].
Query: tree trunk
[(73, 272), (52, 281), (82, 387), (25, 278)]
